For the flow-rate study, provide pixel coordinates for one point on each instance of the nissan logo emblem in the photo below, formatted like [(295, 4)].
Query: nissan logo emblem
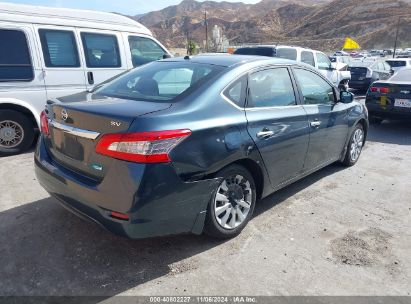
[(64, 114)]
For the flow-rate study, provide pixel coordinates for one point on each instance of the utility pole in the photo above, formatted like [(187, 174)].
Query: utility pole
[(396, 36), (206, 30)]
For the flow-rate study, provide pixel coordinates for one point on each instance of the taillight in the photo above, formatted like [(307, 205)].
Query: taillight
[(145, 147), (381, 90), (44, 123)]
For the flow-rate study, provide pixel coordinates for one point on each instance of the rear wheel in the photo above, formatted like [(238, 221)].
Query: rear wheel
[(355, 146), (233, 203), (16, 132)]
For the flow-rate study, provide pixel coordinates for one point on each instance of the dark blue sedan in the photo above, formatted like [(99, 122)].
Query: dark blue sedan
[(190, 144)]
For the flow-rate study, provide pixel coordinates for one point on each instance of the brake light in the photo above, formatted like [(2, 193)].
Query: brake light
[(44, 123), (381, 90), (145, 147)]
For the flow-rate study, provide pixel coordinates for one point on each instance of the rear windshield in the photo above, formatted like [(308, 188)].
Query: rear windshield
[(286, 53), (160, 81), (402, 75), (259, 51), (396, 63)]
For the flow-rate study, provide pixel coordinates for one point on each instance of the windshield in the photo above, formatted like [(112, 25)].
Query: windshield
[(160, 81), (402, 75)]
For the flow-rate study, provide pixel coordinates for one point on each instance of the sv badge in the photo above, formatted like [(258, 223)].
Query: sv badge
[(115, 123)]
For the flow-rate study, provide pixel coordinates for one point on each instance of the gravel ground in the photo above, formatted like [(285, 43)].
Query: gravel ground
[(338, 232)]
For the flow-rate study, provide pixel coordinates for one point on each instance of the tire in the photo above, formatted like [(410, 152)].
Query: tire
[(355, 146), (16, 132), (375, 120), (235, 195)]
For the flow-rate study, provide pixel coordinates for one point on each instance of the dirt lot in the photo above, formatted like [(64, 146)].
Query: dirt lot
[(338, 232)]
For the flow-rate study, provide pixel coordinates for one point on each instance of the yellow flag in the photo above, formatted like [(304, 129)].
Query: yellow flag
[(351, 44)]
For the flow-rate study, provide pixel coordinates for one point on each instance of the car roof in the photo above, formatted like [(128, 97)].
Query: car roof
[(228, 60)]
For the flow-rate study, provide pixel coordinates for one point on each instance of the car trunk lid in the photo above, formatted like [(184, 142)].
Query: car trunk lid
[(76, 127)]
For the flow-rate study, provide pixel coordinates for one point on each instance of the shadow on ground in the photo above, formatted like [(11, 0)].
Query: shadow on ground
[(45, 250), (396, 132)]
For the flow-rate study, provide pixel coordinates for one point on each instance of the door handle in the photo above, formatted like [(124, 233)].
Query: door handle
[(265, 134), (90, 77), (315, 124)]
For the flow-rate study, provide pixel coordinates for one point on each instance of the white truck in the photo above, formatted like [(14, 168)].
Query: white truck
[(51, 52), (315, 58)]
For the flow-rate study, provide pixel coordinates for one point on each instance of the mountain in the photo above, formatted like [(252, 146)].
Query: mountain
[(321, 24)]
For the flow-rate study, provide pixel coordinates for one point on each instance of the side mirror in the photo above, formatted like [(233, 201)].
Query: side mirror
[(165, 56), (346, 97)]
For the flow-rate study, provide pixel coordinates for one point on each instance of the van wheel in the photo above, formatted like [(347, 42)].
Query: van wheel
[(16, 132), (233, 203)]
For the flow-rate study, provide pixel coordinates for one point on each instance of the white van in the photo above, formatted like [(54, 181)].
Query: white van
[(51, 52)]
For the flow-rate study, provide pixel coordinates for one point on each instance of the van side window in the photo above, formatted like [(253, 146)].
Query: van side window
[(101, 50), (15, 61), (144, 50), (307, 57), (59, 48)]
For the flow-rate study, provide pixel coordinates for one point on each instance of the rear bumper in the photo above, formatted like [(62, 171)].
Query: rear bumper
[(387, 110), (157, 201)]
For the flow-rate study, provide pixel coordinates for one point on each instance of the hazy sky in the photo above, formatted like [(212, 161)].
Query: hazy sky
[(130, 7)]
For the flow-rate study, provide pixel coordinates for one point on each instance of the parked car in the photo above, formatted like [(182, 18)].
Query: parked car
[(312, 57), (390, 98), (365, 72), (186, 145), (51, 52), (399, 63)]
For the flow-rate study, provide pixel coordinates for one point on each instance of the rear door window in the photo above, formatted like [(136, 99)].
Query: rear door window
[(59, 48), (15, 60), (101, 50), (236, 92), (270, 88), (308, 57), (144, 50)]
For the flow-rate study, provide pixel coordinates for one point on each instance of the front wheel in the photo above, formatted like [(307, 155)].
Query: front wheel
[(233, 203), (355, 146)]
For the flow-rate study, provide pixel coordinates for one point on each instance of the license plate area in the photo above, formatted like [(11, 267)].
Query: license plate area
[(68, 145), (403, 103)]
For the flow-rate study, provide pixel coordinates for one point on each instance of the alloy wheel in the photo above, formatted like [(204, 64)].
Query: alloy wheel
[(232, 202), (356, 144), (11, 134)]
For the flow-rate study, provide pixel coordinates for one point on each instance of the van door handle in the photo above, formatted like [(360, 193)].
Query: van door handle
[(90, 77), (315, 124), (265, 134)]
